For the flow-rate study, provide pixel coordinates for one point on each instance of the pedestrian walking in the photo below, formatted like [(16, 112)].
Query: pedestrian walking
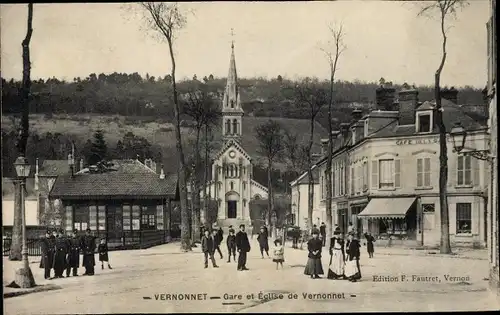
[(73, 258), (243, 247), (102, 249), (263, 242), (352, 270), (47, 245), (313, 266), (231, 245), (60, 253), (88, 247), (278, 253), (369, 244), (322, 232), (208, 248), (218, 237), (337, 257)]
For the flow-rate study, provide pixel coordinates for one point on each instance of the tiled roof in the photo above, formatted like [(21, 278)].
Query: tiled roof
[(126, 166), (54, 168), (452, 113), (8, 188), (106, 185)]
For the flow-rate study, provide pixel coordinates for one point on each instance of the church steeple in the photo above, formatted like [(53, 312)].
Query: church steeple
[(232, 111)]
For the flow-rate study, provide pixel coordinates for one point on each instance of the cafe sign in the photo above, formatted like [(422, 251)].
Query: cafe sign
[(433, 140)]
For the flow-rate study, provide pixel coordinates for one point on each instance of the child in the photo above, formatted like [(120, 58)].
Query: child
[(279, 253), (231, 245), (103, 253)]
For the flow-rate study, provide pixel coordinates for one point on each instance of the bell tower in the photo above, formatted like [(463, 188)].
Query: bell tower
[(232, 112)]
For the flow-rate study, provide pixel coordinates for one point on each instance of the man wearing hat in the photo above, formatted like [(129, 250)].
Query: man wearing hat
[(243, 247), (47, 246), (73, 254), (61, 250), (88, 246)]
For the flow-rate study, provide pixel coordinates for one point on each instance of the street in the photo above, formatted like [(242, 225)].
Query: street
[(148, 281)]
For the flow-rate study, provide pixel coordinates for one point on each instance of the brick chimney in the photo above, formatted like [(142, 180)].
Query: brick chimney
[(357, 114), (324, 146), (385, 95), (450, 94), (408, 101), (344, 130)]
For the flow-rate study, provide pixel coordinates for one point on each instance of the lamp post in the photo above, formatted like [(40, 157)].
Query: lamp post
[(459, 135), (274, 219), (24, 276)]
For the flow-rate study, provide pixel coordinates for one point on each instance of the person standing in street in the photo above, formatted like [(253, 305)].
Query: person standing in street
[(314, 246), (322, 232), (369, 244), (231, 245), (352, 270), (243, 247), (216, 235), (278, 253), (337, 257), (263, 242), (73, 254), (61, 251), (208, 248), (103, 253), (47, 245), (88, 247)]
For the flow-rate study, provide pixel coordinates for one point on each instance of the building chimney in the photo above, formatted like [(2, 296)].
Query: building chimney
[(324, 146), (385, 95), (344, 130), (408, 100), (450, 94), (357, 114), (162, 173)]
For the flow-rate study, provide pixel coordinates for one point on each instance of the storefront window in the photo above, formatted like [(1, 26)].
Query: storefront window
[(127, 209), (81, 218), (464, 218)]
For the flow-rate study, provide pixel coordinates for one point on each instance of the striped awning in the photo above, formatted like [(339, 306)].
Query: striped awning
[(387, 208)]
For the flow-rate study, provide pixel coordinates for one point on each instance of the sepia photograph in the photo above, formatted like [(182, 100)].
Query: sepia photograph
[(249, 157)]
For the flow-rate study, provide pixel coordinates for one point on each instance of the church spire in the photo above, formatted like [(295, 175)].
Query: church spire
[(232, 111)]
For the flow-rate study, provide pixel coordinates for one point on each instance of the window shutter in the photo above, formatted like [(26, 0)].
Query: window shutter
[(419, 173), (475, 168), (375, 174), (352, 180), (427, 172), (397, 173)]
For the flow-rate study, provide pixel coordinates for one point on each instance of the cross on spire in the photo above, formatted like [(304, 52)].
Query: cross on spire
[(232, 38)]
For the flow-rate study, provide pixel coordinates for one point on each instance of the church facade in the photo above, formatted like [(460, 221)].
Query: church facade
[(232, 185)]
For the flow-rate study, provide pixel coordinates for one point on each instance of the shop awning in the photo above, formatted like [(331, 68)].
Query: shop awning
[(388, 208)]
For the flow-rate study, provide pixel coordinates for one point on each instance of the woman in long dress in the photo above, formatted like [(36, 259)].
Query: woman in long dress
[(352, 270), (314, 246), (337, 257)]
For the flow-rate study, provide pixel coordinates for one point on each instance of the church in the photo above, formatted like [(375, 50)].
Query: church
[(232, 185)]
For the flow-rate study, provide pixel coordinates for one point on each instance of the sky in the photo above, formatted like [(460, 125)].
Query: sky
[(382, 39)]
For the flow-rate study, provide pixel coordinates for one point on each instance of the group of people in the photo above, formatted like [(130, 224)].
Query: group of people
[(344, 255), (61, 252), (238, 243)]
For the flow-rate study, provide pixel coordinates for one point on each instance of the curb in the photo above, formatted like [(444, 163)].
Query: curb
[(41, 288)]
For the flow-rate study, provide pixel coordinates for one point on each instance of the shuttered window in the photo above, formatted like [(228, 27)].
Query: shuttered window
[(424, 172), (464, 171), (375, 174)]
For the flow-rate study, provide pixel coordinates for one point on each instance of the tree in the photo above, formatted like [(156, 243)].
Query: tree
[(310, 95), (16, 245), (295, 152), (99, 149), (200, 104), (270, 138), (166, 19), (445, 9), (333, 58)]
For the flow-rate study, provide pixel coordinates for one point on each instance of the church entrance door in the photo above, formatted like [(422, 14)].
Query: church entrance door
[(231, 209)]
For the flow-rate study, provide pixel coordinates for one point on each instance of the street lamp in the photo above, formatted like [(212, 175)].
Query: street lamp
[(24, 276), (274, 219), (458, 135)]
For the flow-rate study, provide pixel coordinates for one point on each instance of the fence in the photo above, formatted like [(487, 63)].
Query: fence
[(33, 247)]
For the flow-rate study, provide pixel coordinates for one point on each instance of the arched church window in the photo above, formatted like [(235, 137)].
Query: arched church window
[(235, 126), (232, 170), (232, 185), (232, 103), (244, 185), (228, 126)]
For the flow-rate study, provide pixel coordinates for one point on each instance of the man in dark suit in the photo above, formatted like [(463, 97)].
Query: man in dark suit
[(88, 246), (61, 250), (243, 247), (47, 246), (73, 254), (218, 237), (208, 248), (322, 232)]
